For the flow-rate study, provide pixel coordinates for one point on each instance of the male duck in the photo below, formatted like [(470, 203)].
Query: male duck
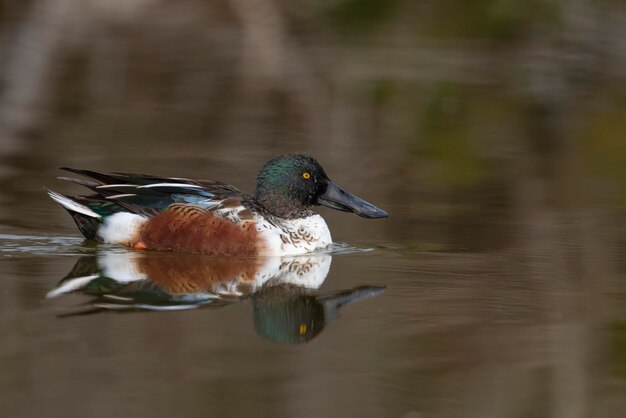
[(209, 217)]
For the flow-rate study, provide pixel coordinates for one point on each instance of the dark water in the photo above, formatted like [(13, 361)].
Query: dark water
[(493, 316), (493, 135)]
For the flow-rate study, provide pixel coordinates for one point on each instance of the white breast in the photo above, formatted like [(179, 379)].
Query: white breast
[(294, 236)]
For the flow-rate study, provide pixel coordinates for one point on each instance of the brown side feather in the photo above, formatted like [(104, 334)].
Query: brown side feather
[(231, 202), (189, 229)]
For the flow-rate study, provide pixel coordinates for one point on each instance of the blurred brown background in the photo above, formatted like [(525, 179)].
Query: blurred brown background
[(493, 131)]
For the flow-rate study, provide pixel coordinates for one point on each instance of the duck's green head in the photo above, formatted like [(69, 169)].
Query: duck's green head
[(290, 185)]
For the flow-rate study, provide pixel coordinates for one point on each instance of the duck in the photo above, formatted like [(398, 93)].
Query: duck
[(210, 217)]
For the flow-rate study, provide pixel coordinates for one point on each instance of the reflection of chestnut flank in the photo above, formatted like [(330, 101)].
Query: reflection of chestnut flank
[(188, 229), (192, 273)]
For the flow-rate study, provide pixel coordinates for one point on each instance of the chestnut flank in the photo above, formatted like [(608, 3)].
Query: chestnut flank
[(198, 232)]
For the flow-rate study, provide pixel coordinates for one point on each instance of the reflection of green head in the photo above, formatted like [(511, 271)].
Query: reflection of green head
[(292, 320), (290, 314)]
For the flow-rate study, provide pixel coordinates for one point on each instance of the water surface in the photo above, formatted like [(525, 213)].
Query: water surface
[(492, 132), (534, 330)]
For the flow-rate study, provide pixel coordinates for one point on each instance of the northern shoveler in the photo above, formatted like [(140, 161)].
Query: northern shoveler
[(209, 217)]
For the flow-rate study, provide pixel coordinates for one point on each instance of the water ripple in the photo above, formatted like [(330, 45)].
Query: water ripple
[(11, 244)]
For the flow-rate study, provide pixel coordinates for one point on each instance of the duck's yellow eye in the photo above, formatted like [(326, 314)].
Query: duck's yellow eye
[(306, 175), (303, 327)]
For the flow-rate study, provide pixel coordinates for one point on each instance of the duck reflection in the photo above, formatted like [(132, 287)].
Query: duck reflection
[(287, 307)]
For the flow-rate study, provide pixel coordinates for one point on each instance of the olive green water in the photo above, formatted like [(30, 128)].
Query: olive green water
[(493, 136)]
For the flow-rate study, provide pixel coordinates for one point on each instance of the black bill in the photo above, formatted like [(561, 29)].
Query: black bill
[(336, 198)]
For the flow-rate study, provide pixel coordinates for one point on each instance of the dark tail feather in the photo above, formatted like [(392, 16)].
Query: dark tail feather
[(98, 177), (86, 219), (87, 225)]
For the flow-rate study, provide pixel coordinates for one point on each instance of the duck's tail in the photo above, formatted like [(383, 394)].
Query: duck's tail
[(86, 219)]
